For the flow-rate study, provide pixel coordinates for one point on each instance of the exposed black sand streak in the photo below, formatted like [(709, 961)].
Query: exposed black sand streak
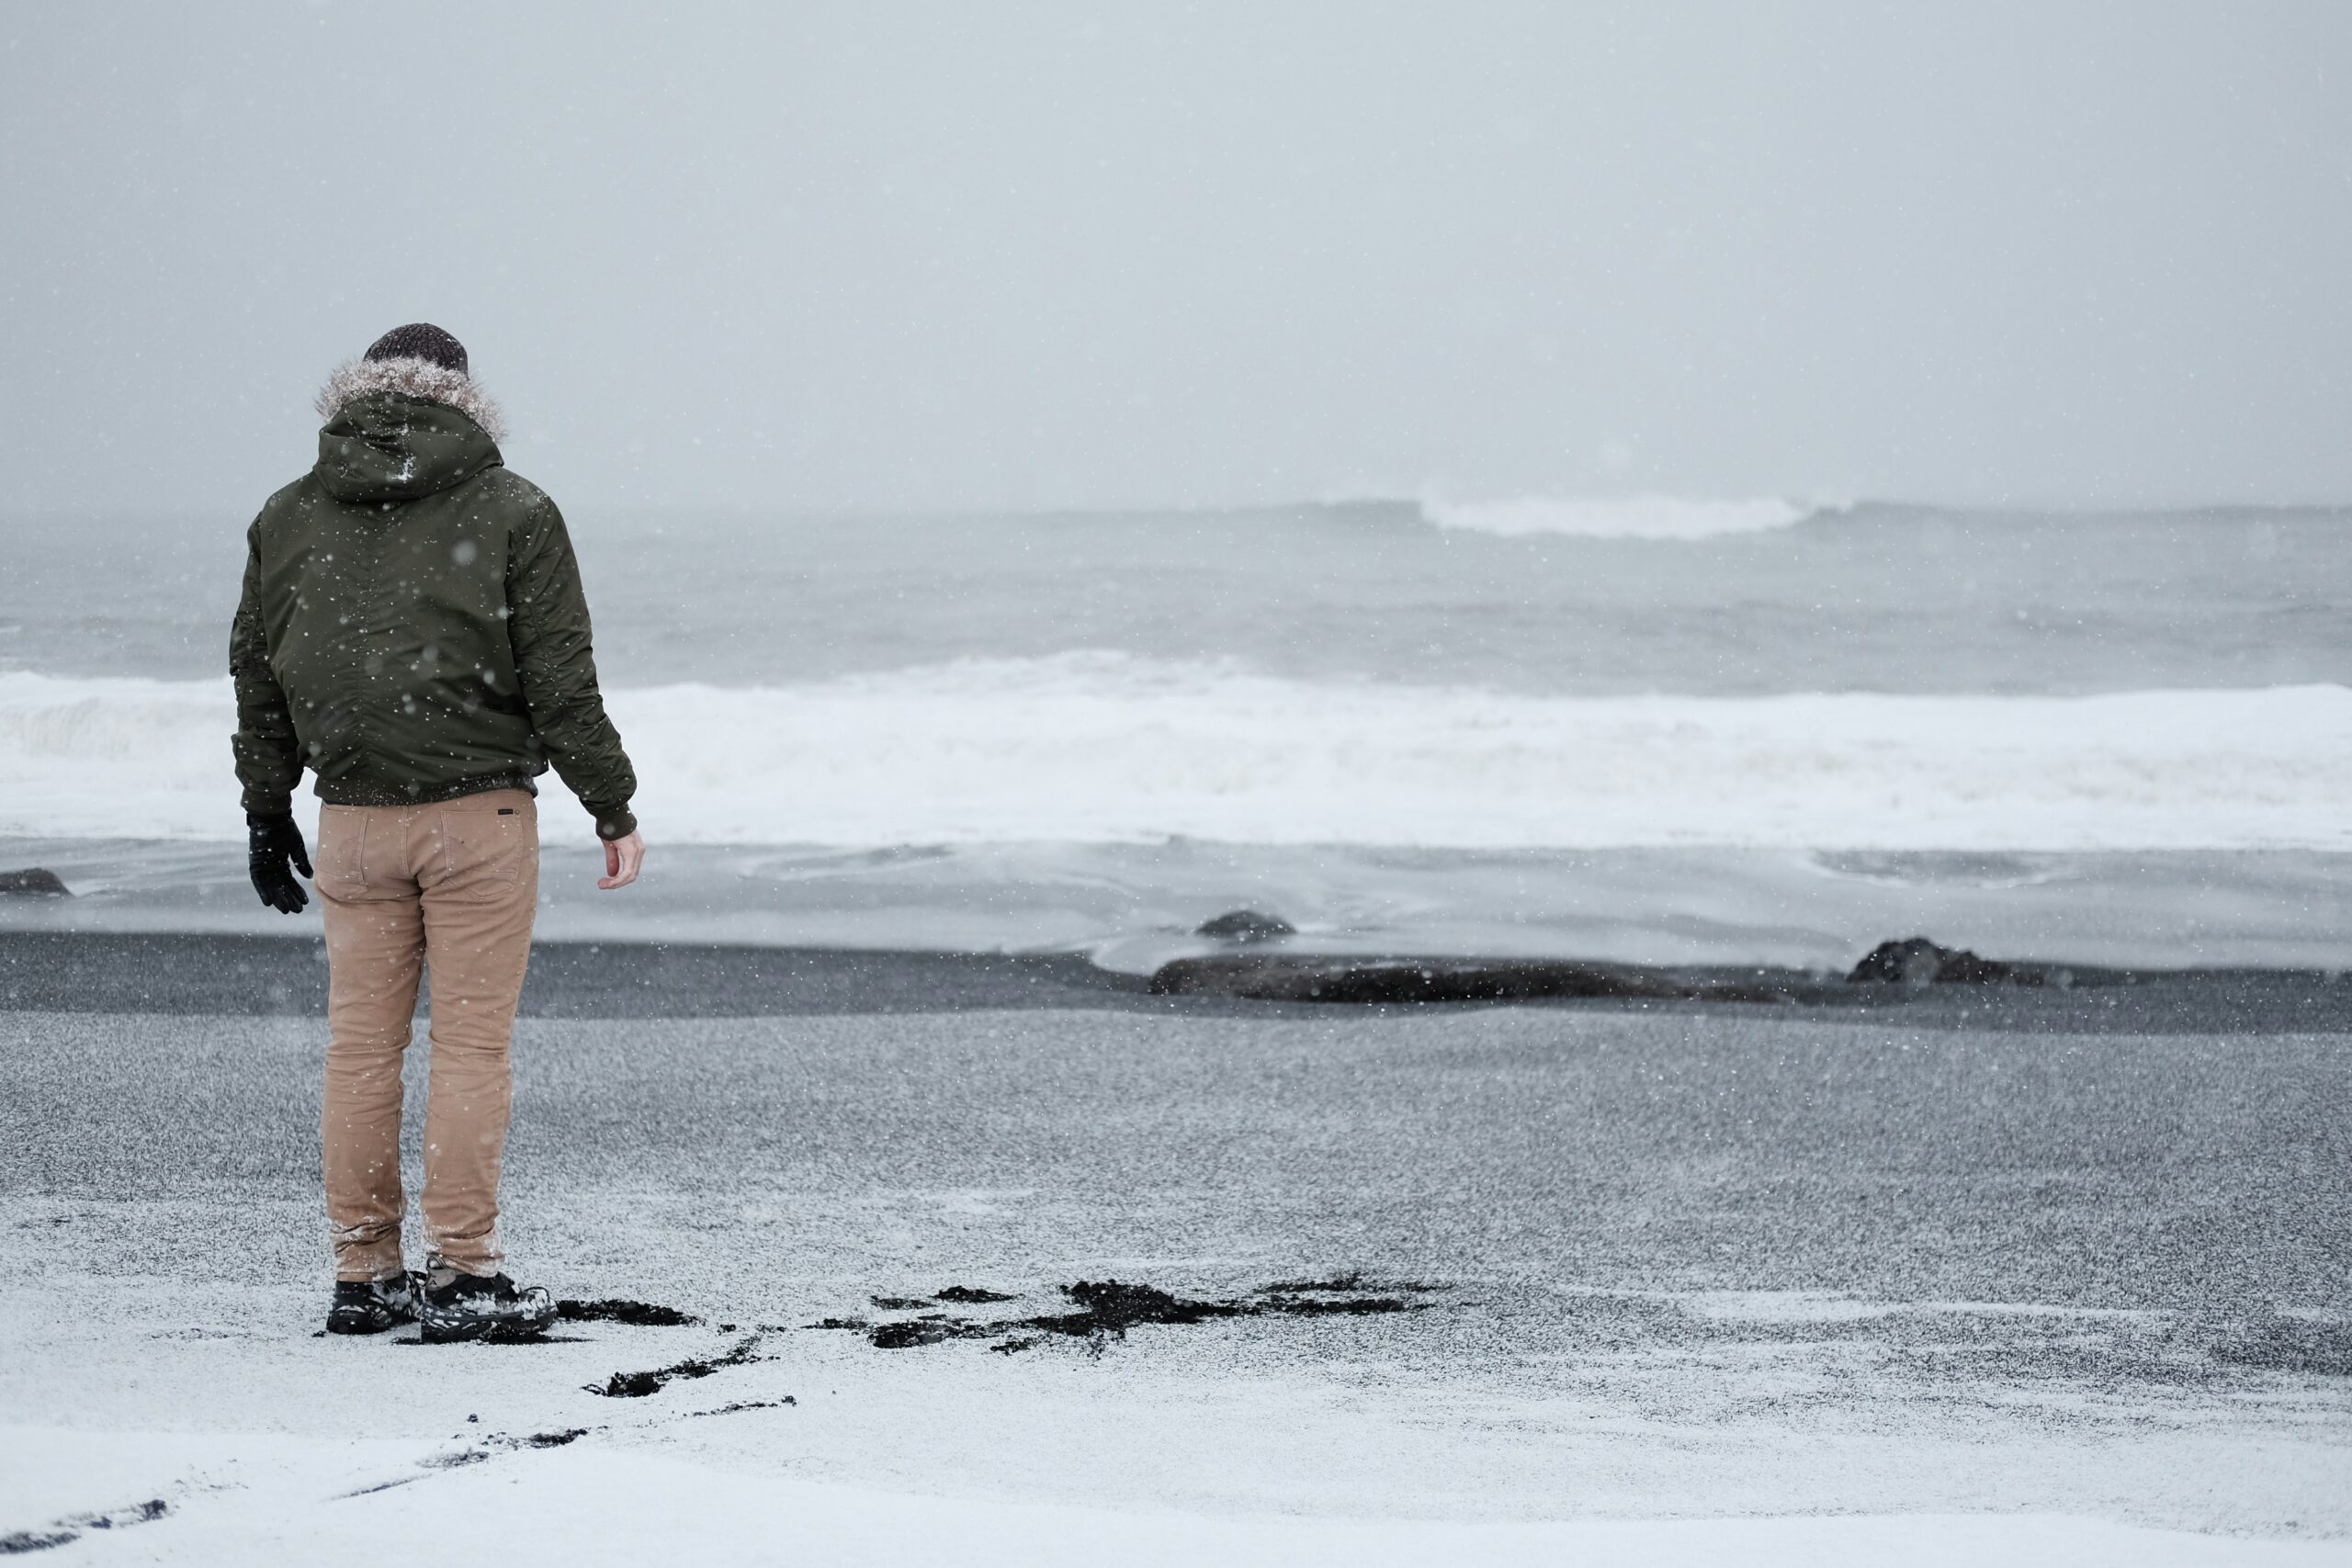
[(641, 1315), (1108, 1308), (638, 1385), (503, 1342), (35, 1540), (1113, 1306), (742, 1404), (1348, 1284), (1353, 1306), (380, 1486), (458, 1460), (69, 1530), (930, 1329)]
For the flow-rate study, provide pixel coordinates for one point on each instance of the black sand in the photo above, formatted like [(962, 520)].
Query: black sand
[(222, 974), (2108, 1224)]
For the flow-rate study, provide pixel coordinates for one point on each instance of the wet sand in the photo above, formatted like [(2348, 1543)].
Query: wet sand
[(203, 972)]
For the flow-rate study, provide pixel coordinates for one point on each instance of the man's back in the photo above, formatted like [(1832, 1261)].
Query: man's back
[(419, 609)]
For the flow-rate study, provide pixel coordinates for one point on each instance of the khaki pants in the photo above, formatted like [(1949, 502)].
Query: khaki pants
[(455, 884)]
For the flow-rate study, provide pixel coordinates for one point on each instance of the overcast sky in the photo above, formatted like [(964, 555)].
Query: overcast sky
[(1033, 255)]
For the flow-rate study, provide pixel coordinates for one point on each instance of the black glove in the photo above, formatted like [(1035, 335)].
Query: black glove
[(270, 843)]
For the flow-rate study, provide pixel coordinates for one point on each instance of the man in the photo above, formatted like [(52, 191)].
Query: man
[(414, 632)]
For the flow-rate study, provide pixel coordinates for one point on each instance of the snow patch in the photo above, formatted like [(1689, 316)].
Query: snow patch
[(245, 1499)]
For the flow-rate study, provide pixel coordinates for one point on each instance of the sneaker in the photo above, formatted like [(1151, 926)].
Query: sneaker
[(480, 1306), (371, 1306)]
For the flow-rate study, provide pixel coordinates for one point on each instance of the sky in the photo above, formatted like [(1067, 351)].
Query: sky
[(1031, 256)]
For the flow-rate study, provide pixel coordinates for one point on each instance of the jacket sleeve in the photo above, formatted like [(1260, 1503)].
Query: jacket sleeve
[(548, 624), (269, 758)]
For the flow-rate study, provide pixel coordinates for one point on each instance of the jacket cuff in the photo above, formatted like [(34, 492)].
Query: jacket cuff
[(615, 822), (268, 802)]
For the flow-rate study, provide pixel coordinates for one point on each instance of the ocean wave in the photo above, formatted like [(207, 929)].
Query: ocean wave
[(1109, 748), (1622, 517)]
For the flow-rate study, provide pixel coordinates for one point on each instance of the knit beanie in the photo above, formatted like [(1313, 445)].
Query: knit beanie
[(420, 339)]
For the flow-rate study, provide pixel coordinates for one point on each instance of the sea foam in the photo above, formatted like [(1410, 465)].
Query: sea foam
[(1622, 517), (1108, 747)]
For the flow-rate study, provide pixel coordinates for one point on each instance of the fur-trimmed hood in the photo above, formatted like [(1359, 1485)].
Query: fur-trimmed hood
[(413, 379), (398, 429)]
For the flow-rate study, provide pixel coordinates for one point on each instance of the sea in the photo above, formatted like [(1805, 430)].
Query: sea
[(1645, 729)]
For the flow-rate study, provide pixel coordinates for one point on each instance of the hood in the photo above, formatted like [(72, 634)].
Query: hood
[(399, 429)]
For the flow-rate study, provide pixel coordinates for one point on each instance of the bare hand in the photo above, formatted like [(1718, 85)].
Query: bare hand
[(622, 859)]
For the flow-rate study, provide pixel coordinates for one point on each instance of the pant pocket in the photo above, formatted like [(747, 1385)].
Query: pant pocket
[(342, 863), (486, 846)]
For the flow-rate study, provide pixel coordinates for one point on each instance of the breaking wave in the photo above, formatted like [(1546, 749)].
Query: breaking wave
[(1108, 747), (1623, 517)]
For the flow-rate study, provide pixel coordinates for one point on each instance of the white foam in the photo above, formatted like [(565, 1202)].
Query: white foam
[(1106, 748), (1621, 517)]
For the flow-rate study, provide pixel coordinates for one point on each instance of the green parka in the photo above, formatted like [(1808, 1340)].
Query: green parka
[(412, 627)]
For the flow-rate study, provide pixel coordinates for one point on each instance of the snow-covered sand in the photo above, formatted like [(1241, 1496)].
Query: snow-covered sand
[(1708, 1290), (258, 1499)]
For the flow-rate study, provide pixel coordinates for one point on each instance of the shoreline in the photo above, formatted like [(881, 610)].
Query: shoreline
[(1136, 907), (236, 975)]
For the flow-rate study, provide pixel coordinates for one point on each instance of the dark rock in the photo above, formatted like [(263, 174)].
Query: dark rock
[(1919, 962), (1306, 979), (1247, 925), (36, 883)]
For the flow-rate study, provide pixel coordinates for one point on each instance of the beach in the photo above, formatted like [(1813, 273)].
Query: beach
[(1732, 1259), (2007, 1273)]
